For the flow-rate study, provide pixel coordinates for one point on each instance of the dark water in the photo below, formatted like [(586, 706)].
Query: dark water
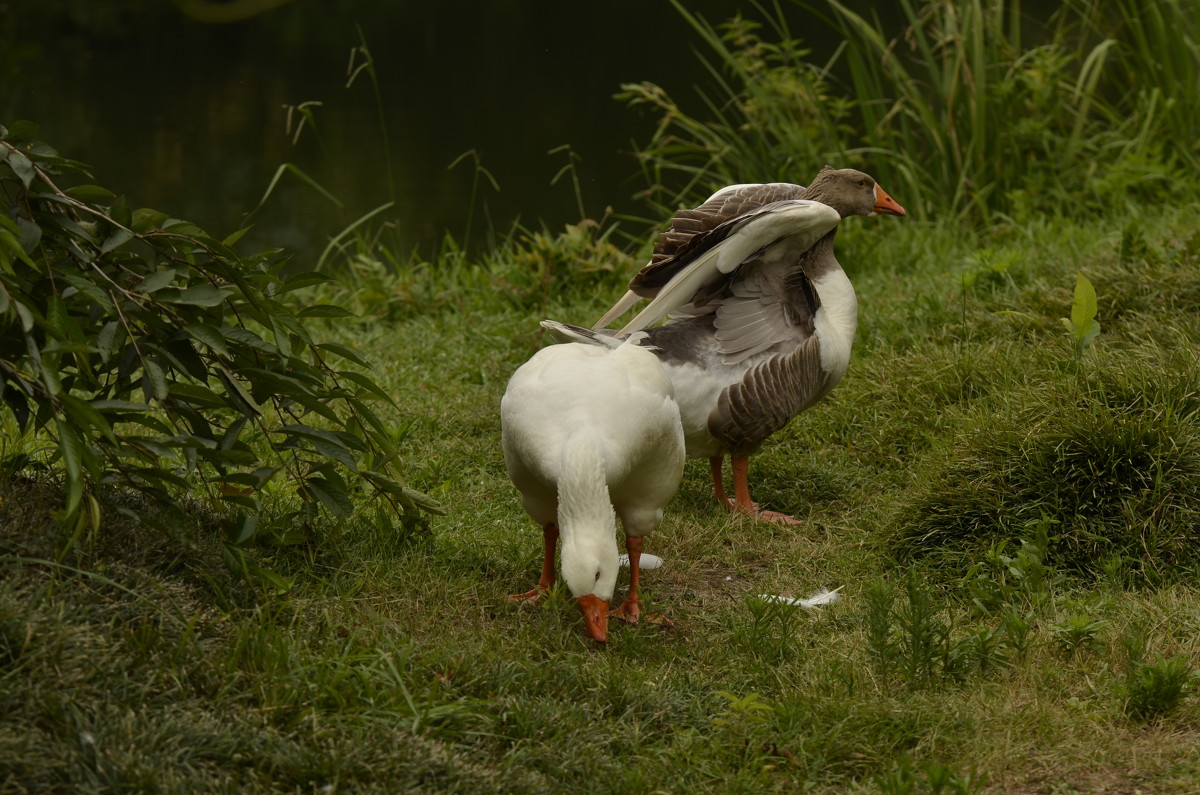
[(190, 117)]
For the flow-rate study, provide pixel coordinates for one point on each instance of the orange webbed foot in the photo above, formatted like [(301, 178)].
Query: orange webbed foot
[(743, 504), (629, 612), (755, 511), (776, 517), (529, 597)]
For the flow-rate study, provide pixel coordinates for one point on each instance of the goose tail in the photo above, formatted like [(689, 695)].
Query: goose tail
[(565, 332)]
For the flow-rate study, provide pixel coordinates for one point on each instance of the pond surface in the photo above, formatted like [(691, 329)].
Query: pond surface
[(191, 118)]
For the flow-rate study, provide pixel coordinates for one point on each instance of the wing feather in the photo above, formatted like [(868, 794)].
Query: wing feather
[(688, 231), (724, 205), (798, 224)]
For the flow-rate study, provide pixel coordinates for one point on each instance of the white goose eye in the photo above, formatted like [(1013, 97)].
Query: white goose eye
[(597, 577)]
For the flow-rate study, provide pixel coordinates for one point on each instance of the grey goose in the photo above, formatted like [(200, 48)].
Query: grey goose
[(761, 316)]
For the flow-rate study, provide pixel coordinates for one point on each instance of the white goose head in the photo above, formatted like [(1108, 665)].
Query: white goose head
[(590, 571), (589, 543)]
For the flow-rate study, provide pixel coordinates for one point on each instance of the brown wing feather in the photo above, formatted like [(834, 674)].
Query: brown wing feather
[(767, 398), (689, 229)]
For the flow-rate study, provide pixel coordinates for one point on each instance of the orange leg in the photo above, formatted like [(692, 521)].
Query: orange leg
[(630, 610), (546, 581), (741, 490), (714, 463)]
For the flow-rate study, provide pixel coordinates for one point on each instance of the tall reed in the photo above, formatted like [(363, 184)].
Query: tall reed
[(971, 109)]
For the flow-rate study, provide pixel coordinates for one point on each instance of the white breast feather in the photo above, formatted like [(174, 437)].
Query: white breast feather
[(836, 322)]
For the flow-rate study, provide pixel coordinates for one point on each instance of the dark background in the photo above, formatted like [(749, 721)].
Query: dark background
[(189, 117)]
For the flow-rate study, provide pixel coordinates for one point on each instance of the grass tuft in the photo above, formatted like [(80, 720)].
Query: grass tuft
[(1114, 462)]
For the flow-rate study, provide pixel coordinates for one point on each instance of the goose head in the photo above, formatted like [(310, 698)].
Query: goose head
[(589, 568), (851, 192)]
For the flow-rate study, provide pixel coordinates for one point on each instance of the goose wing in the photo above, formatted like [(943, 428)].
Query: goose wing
[(790, 227), (762, 307), (690, 227), (724, 205)]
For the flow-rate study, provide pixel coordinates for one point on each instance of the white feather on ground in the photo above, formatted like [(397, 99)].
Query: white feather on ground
[(821, 597), (647, 561)]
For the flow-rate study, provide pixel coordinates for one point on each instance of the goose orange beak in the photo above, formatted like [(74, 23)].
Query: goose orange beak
[(886, 205), (595, 617)]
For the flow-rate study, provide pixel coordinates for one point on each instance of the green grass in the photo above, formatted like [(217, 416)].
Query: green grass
[(1012, 620)]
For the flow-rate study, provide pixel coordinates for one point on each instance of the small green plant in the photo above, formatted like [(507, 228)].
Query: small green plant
[(924, 639), (999, 580), (983, 650), (742, 710), (1033, 577), (1017, 628), (991, 268), (938, 777), (1133, 246), (1076, 633), (771, 630), (1117, 570), (1154, 689), (1150, 690), (1082, 325), (901, 779), (879, 597), (907, 638)]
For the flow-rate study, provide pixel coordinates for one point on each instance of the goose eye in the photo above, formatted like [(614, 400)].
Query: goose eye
[(862, 183), (597, 577)]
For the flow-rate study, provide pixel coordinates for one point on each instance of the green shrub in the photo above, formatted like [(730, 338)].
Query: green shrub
[(1076, 633), (158, 359), (1154, 689)]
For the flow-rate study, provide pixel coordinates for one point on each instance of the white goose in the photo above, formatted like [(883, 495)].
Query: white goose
[(762, 317), (591, 433)]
